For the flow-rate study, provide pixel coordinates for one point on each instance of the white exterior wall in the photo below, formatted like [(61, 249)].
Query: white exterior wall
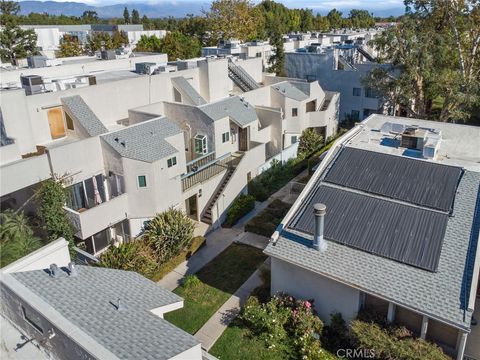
[(55, 252), (194, 353), (214, 81), (329, 296), (48, 39), (223, 126), (253, 67)]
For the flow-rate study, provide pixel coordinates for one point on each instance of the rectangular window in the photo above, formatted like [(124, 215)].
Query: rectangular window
[(32, 318), (355, 115), (69, 122), (293, 139), (294, 112), (172, 161), (200, 144), (370, 93), (357, 91), (225, 137), (142, 181)]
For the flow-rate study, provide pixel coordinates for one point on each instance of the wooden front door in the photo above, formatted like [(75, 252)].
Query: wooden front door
[(243, 139)]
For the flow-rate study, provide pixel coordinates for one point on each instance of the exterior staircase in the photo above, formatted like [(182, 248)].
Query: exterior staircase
[(241, 78), (232, 165)]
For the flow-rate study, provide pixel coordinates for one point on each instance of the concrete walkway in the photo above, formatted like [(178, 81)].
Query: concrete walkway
[(217, 241), (216, 325)]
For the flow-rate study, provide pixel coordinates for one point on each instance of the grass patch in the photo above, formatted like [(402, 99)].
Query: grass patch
[(197, 243), (268, 219), (219, 279), (237, 342)]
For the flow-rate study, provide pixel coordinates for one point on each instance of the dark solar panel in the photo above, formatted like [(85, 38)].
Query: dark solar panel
[(399, 232), (418, 182)]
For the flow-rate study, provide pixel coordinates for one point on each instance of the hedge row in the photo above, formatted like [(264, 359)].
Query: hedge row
[(240, 207)]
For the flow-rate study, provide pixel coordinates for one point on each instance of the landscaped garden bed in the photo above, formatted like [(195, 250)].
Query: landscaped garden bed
[(205, 292), (268, 219)]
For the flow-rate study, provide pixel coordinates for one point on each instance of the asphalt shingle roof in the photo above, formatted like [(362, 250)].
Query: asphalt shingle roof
[(442, 294), (239, 110), (293, 90), (76, 107), (144, 141), (188, 90), (89, 301)]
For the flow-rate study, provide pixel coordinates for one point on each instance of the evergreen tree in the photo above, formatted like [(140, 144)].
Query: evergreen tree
[(135, 17), (15, 43), (126, 16)]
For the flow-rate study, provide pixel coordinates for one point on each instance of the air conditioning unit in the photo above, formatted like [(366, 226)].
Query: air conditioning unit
[(37, 61), (145, 68), (108, 55), (33, 84)]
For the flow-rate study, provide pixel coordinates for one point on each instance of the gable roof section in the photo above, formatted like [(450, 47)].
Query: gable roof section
[(88, 301), (238, 110), (400, 232), (78, 109), (418, 182), (144, 141), (186, 89), (298, 91)]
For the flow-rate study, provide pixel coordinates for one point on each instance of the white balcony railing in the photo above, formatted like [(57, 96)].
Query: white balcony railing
[(98, 218)]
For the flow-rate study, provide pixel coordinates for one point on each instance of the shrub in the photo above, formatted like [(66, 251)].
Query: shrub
[(335, 335), (393, 342), (241, 206), (287, 323), (310, 141), (191, 281), (169, 233), (268, 219), (52, 197), (136, 256)]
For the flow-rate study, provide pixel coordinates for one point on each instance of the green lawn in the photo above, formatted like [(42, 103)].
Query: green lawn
[(268, 219), (219, 279), (238, 343)]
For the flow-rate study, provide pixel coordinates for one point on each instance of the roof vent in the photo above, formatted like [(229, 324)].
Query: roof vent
[(120, 306), (123, 144), (54, 270), (319, 210), (72, 269), (116, 139)]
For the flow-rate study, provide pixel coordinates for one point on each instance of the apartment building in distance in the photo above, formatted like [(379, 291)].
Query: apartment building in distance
[(390, 222), (52, 308), (339, 61), (131, 147)]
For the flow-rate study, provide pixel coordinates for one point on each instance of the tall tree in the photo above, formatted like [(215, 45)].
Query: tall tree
[(90, 17), (126, 16), (335, 19), (179, 46), (69, 46), (277, 60), (15, 42), (231, 19), (361, 19), (434, 51), (135, 17)]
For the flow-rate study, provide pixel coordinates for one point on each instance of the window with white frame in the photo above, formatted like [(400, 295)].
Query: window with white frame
[(200, 144), (32, 318), (142, 181), (294, 112), (172, 161), (225, 137)]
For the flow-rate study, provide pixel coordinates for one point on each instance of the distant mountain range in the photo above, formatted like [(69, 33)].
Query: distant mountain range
[(175, 8), (163, 9)]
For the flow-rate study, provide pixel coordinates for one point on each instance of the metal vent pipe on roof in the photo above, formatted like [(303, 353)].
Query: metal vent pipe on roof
[(72, 268), (54, 270), (319, 211)]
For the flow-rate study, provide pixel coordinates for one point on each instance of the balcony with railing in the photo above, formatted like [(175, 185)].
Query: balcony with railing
[(206, 167)]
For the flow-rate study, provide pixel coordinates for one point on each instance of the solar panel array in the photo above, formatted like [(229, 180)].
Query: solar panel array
[(361, 190), (418, 182), (400, 232)]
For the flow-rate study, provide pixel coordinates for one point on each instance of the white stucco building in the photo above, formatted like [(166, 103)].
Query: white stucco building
[(131, 147), (389, 222)]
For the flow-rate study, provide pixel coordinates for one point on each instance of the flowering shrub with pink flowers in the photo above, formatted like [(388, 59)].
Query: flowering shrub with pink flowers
[(288, 323)]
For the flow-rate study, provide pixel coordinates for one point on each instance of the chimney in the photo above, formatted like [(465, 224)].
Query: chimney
[(54, 270), (72, 268), (319, 210)]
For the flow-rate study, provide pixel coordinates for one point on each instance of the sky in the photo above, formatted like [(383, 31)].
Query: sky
[(322, 6)]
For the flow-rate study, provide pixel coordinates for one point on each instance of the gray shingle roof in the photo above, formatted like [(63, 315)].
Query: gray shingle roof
[(442, 295), (182, 85), (79, 110), (86, 301), (240, 111), (294, 90), (144, 141)]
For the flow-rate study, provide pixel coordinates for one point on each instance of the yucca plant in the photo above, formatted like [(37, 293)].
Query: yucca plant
[(169, 233)]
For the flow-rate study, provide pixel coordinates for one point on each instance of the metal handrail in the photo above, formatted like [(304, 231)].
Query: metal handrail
[(207, 171)]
